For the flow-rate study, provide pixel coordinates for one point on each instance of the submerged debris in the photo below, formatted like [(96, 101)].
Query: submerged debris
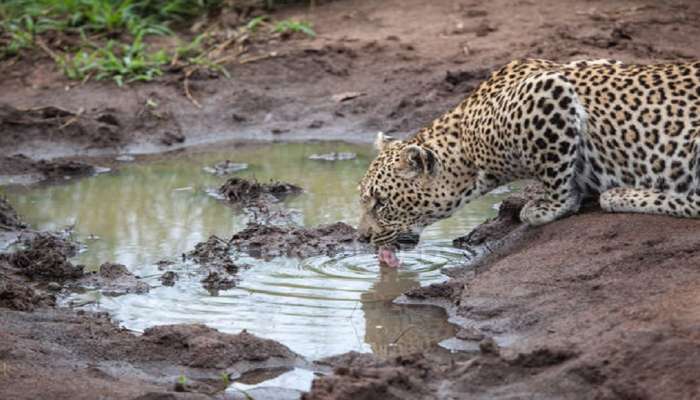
[(271, 241), (333, 156), (225, 168), (239, 190)]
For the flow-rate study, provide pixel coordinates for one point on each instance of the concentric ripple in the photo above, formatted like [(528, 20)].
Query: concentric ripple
[(319, 306)]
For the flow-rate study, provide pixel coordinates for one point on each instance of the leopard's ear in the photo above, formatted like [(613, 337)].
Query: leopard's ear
[(418, 161), (382, 140)]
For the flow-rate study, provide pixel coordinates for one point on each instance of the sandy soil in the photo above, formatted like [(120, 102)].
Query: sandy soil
[(595, 306)]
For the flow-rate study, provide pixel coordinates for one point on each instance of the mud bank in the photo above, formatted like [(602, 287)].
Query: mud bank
[(595, 306), (391, 66)]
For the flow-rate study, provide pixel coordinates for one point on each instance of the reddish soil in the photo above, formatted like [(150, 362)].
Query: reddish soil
[(595, 306), (391, 65)]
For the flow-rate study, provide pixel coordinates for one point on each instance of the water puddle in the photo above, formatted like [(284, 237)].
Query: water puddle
[(320, 306)]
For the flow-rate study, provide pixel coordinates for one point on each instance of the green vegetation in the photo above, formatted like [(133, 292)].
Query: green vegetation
[(111, 39), (289, 26)]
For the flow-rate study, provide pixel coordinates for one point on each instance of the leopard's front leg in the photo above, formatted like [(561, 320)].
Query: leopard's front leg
[(555, 124)]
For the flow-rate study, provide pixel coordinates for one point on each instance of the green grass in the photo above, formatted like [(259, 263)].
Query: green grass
[(290, 26), (108, 39)]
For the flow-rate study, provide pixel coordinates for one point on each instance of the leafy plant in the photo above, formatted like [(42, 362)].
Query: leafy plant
[(291, 26), (121, 62)]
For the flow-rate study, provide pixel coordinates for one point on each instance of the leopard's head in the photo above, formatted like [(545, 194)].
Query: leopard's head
[(406, 188)]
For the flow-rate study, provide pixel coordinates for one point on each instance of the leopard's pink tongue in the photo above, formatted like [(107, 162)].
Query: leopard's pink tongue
[(388, 258)]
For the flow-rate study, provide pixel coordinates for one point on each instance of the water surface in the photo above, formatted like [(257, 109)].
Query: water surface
[(320, 306)]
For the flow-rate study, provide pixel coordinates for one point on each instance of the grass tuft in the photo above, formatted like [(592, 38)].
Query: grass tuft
[(108, 39)]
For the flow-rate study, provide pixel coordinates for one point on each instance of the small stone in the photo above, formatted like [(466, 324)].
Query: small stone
[(341, 97), (54, 287), (169, 278), (488, 346), (333, 156), (316, 124)]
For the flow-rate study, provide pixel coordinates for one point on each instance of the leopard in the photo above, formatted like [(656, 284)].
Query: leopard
[(625, 135)]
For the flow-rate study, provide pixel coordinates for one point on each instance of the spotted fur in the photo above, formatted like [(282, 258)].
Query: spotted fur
[(629, 133)]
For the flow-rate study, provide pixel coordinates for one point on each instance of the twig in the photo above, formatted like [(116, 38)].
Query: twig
[(47, 50), (258, 58), (401, 334), (187, 88)]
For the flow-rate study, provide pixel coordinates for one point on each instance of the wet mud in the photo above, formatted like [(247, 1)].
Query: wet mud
[(268, 241), (243, 191), (83, 355)]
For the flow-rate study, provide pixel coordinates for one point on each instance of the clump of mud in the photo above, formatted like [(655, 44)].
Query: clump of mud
[(215, 254), (216, 281), (199, 346), (21, 297), (214, 260), (56, 170), (266, 241), (45, 258), (9, 220), (51, 170), (114, 280), (244, 191)]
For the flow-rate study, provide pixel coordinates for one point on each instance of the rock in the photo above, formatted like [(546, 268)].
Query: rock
[(333, 156), (170, 138), (125, 158), (316, 124), (169, 278), (488, 346), (114, 279), (345, 96), (225, 168)]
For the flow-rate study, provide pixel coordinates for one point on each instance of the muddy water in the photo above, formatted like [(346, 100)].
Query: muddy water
[(318, 307)]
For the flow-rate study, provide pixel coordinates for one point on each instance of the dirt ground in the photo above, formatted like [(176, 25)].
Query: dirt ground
[(391, 65), (596, 306)]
